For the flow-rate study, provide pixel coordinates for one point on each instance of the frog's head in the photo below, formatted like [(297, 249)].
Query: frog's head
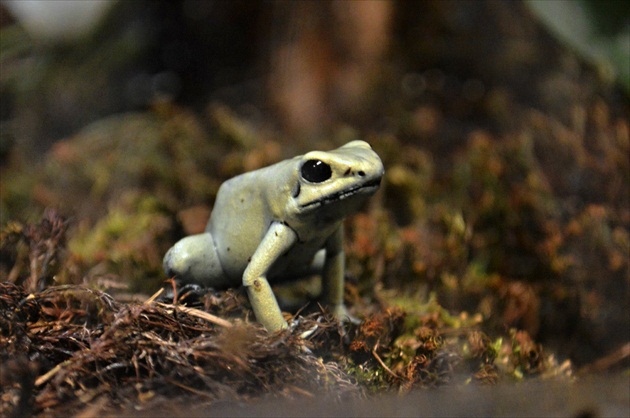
[(336, 182)]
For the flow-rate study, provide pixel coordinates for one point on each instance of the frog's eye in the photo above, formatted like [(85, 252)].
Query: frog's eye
[(316, 171)]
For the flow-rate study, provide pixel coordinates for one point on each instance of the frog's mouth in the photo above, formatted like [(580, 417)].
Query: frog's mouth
[(367, 187)]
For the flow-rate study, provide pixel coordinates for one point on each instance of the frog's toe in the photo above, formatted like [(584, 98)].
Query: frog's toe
[(341, 313), (177, 263), (169, 265), (190, 294)]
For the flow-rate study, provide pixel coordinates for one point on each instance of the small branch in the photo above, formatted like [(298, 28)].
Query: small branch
[(200, 314), (49, 375), (605, 363), (154, 296), (382, 363)]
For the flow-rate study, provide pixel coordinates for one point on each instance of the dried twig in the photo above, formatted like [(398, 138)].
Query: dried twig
[(382, 363)]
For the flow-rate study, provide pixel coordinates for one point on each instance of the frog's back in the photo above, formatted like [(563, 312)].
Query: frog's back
[(242, 215)]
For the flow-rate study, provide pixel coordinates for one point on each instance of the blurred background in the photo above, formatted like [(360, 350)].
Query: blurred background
[(503, 125)]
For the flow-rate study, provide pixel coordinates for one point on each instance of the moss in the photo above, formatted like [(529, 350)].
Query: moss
[(127, 240)]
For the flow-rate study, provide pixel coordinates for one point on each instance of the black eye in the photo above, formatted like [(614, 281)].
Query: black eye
[(316, 171)]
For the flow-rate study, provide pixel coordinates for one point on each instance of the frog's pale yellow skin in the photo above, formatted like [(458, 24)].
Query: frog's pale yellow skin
[(281, 222)]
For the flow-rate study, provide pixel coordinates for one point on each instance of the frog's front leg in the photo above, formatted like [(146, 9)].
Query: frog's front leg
[(333, 276), (278, 239)]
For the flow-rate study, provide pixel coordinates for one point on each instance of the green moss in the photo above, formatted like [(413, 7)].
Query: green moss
[(372, 378), (130, 240), (417, 310)]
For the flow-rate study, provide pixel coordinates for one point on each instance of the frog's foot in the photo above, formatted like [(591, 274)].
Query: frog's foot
[(189, 294), (265, 306), (341, 313)]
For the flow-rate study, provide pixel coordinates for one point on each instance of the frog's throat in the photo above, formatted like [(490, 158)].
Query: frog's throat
[(369, 187)]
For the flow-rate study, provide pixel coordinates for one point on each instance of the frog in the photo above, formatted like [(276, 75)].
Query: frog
[(281, 222)]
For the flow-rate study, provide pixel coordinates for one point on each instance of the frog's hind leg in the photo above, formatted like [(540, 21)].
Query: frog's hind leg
[(194, 259)]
